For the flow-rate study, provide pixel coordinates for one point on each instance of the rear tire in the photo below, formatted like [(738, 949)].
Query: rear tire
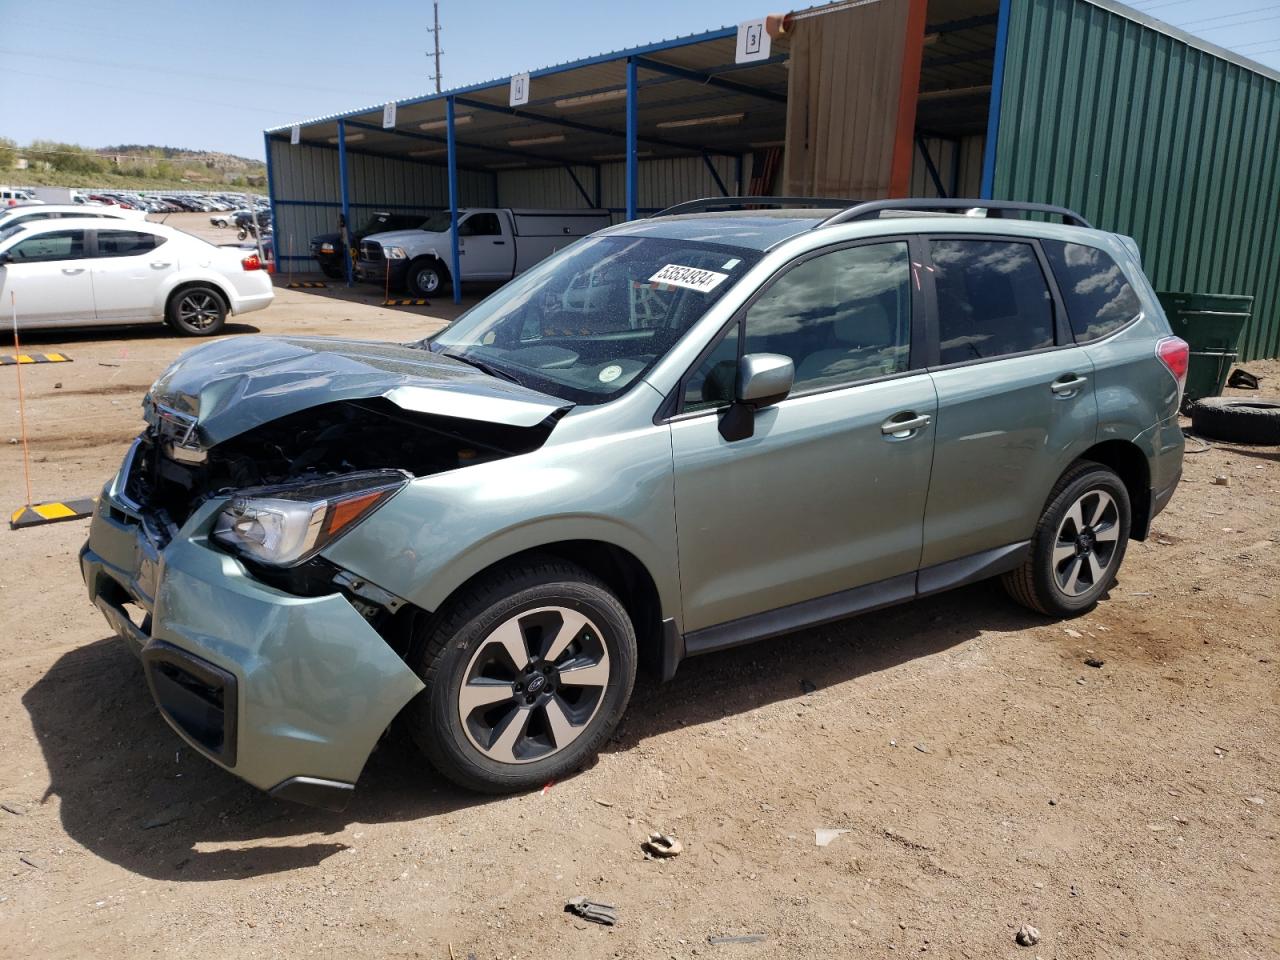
[(196, 311), (1078, 544), (495, 725)]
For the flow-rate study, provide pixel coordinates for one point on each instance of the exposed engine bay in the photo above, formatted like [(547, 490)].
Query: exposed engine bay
[(170, 482)]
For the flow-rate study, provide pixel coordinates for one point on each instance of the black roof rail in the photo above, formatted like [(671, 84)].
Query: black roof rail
[(721, 204), (872, 209)]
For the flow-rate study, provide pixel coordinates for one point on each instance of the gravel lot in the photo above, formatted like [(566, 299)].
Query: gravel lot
[(984, 776)]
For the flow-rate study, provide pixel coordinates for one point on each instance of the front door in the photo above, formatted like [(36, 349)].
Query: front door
[(128, 270), (1016, 402), (826, 495), (48, 275), (487, 253)]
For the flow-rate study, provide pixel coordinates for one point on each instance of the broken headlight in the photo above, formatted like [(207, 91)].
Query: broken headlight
[(286, 525)]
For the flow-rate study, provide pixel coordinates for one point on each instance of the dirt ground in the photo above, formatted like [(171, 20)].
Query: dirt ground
[(984, 776)]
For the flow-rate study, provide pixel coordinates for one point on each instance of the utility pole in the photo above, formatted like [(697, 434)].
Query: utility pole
[(435, 33)]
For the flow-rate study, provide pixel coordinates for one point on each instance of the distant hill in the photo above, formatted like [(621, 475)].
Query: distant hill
[(131, 165)]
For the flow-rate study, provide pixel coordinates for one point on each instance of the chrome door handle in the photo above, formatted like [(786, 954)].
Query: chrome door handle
[(900, 429), (72, 271), (160, 266), (1068, 385)]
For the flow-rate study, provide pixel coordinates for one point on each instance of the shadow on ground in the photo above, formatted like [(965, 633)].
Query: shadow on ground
[(132, 793), (38, 340)]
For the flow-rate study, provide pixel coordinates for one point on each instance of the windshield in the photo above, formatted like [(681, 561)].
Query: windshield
[(439, 222), (590, 321)]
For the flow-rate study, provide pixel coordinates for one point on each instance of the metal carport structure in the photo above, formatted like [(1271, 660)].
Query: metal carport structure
[(631, 131)]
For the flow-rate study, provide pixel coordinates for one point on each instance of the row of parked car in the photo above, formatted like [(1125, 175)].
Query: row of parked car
[(179, 202), (79, 264)]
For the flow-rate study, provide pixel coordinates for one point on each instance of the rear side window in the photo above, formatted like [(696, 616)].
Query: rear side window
[(126, 243), (1099, 299), (993, 299), (480, 225)]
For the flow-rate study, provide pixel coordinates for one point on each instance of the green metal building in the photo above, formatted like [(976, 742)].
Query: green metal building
[(1149, 131)]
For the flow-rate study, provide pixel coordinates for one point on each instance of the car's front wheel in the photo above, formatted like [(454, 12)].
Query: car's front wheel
[(1078, 544), (527, 673), (426, 277), (197, 311)]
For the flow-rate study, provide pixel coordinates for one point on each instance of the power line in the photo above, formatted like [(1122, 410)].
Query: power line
[(1242, 23), (1224, 16), (222, 78)]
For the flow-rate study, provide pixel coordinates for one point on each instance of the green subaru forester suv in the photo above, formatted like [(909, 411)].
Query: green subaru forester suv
[(706, 428)]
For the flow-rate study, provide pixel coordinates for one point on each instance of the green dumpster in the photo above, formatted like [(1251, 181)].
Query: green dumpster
[(1212, 324)]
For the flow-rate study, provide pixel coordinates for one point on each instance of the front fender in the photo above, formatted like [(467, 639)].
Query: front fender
[(442, 530)]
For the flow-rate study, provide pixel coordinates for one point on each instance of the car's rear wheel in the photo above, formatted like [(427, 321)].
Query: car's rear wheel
[(1078, 544), (426, 277), (526, 673), (197, 311)]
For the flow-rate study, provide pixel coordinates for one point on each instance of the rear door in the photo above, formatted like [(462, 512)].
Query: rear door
[(486, 246), (826, 495), (48, 274), (1016, 401), (128, 269)]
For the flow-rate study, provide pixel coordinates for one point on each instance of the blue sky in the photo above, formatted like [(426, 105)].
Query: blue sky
[(206, 75)]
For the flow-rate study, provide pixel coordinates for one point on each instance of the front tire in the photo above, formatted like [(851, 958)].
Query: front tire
[(527, 673), (426, 278), (332, 272), (196, 311), (1078, 544)]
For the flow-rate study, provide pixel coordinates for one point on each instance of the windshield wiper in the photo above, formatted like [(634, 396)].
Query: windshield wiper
[(483, 367)]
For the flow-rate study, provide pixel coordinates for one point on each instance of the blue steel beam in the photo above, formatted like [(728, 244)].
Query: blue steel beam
[(346, 198), (928, 164), (633, 128), (456, 258), (568, 168), (575, 124), (429, 138), (271, 198), (710, 80), (993, 111), (715, 175)]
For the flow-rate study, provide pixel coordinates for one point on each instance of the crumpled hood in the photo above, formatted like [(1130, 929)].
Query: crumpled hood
[(233, 385), (395, 238)]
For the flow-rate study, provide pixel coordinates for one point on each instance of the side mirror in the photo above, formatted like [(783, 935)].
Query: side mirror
[(763, 380), (5, 258)]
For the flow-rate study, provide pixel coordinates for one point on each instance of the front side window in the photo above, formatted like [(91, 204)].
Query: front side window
[(589, 321), (126, 243), (1098, 298), (59, 245), (992, 299), (841, 317)]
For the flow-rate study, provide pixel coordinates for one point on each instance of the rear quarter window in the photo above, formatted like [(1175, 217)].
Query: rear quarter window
[(1098, 298)]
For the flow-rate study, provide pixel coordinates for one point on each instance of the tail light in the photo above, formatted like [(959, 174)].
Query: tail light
[(251, 262), (1176, 356)]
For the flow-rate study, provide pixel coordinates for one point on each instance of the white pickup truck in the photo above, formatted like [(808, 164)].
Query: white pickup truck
[(494, 244)]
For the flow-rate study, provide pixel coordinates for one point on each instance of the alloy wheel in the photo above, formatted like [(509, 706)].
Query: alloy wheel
[(1085, 546), (198, 311), (534, 685)]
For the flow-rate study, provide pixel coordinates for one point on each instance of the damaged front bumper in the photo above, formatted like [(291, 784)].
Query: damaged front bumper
[(289, 693)]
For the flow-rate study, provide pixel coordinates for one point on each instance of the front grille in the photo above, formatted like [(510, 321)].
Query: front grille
[(370, 251)]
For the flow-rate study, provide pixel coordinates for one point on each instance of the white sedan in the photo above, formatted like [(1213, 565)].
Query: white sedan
[(87, 271)]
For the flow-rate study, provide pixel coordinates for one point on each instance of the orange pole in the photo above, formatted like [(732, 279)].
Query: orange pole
[(22, 407), (908, 94), (387, 293)]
